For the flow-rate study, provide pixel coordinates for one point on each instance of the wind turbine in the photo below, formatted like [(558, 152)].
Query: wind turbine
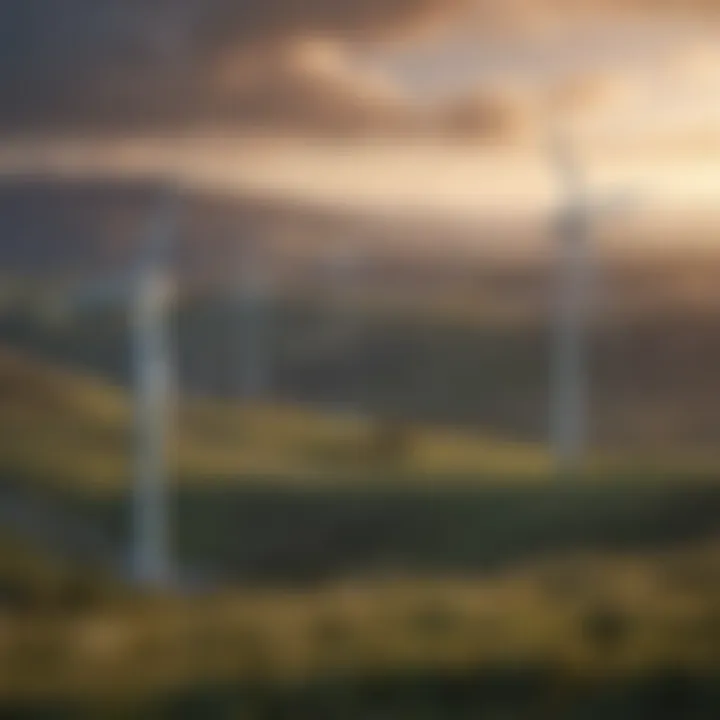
[(152, 380), (569, 407)]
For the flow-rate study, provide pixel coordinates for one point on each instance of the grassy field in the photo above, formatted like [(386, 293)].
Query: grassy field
[(273, 493), (576, 637), (654, 373), (456, 579), (73, 431)]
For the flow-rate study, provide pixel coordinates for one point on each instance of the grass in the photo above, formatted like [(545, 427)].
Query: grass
[(279, 494), (70, 430), (367, 587), (653, 375), (586, 619), (74, 431)]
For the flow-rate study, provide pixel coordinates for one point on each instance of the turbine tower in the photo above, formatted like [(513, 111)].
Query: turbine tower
[(569, 410), (569, 382), (152, 369)]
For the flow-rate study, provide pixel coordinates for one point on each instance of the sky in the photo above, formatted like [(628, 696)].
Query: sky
[(440, 106)]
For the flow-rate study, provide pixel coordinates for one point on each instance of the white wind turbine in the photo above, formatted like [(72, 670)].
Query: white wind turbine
[(152, 398), (570, 376)]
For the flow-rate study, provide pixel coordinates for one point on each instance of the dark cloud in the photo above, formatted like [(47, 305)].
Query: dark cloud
[(123, 62), (143, 60), (225, 22)]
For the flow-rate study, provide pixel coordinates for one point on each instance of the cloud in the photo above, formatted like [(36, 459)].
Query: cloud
[(695, 63), (225, 22), (145, 60), (307, 84), (488, 114), (278, 63), (591, 93)]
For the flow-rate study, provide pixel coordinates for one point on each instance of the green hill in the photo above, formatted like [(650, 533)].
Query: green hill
[(559, 595), (70, 430)]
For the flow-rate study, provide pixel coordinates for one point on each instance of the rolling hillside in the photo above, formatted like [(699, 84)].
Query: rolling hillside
[(286, 494), (348, 593), (70, 430)]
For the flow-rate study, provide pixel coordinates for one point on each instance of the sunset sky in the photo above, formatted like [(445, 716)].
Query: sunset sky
[(439, 106)]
